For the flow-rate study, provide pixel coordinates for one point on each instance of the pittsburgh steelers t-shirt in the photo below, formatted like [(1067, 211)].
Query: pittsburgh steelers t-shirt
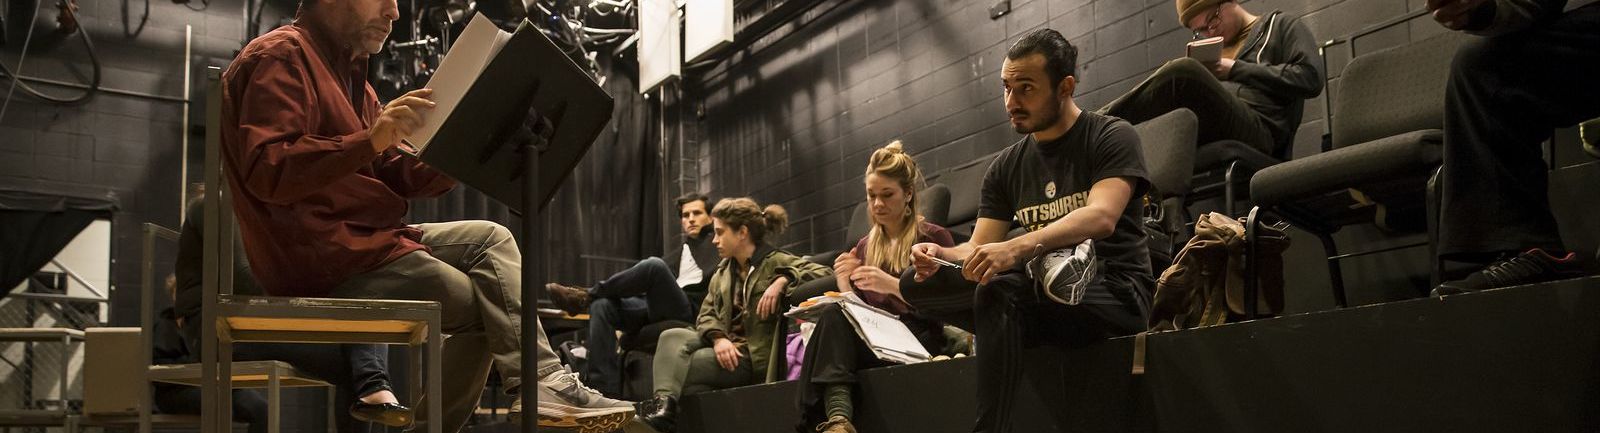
[(1033, 184)]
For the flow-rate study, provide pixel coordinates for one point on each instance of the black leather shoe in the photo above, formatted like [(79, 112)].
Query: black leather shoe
[(389, 414), (660, 412)]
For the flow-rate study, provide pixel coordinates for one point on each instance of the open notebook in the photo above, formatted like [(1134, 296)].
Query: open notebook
[(883, 333)]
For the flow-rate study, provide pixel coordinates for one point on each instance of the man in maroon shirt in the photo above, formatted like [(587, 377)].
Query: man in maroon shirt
[(320, 193)]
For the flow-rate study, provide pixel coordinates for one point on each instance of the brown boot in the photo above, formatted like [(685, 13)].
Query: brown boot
[(837, 424), (573, 300)]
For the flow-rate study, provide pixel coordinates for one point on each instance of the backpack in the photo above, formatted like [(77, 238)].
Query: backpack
[(1205, 284)]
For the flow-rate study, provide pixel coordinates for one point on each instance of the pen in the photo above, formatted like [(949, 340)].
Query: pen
[(944, 262)]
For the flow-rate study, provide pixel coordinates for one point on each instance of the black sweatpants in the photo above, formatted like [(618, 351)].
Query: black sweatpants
[(1504, 97), (835, 353), (1009, 315), (1186, 83)]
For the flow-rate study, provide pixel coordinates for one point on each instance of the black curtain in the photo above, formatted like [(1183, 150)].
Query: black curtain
[(34, 227)]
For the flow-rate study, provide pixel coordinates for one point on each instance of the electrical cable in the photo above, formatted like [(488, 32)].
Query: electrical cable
[(26, 39), (142, 20), (204, 4), (16, 78)]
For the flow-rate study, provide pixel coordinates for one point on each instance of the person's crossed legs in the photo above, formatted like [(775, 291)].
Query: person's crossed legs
[(1504, 96), (474, 271)]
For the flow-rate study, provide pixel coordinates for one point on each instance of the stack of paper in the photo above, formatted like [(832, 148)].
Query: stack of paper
[(882, 332), (461, 66)]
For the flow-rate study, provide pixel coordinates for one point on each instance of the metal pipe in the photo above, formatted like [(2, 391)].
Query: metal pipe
[(102, 88), (146, 322), (532, 260), (183, 157), (47, 297), (420, 42), (78, 278)]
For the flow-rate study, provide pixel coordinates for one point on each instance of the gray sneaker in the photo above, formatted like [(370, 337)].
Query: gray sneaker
[(1065, 274), (566, 403)]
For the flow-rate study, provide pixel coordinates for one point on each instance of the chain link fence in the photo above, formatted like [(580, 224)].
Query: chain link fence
[(44, 375)]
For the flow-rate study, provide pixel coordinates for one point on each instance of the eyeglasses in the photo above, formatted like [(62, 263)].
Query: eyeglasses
[(1211, 20)]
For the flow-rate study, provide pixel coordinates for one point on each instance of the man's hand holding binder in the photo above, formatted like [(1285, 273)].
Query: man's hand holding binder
[(400, 118)]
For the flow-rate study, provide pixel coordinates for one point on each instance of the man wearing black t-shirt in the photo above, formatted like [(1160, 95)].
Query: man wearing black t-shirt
[(1071, 179)]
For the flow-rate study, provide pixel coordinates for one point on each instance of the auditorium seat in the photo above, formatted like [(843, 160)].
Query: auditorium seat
[(1167, 144), (1386, 138), (966, 186), (1224, 166)]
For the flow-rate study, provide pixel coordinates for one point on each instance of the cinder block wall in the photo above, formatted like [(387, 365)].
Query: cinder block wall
[(126, 141), (793, 122)]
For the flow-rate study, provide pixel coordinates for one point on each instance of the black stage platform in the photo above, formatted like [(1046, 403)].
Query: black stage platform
[(1523, 359)]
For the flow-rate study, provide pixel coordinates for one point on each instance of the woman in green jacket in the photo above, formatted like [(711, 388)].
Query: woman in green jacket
[(737, 338)]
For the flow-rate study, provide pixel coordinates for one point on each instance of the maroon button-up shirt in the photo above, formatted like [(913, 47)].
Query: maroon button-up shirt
[(315, 204)]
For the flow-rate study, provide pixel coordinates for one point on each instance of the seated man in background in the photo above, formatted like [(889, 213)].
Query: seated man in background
[(1071, 179), (172, 348), (1534, 70), (320, 192), (1255, 93), (651, 291)]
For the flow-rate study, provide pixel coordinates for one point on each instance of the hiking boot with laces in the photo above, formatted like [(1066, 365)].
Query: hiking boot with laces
[(837, 424), (573, 300), (1532, 266), (565, 403)]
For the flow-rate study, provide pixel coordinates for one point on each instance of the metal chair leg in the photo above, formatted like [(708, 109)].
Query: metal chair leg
[(225, 383), (435, 376), (1335, 276), (1252, 282), (333, 419), (1227, 189), (274, 402), (1434, 204), (417, 376)]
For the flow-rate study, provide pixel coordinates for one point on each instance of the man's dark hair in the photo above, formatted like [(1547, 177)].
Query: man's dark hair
[(1060, 57), (693, 197)]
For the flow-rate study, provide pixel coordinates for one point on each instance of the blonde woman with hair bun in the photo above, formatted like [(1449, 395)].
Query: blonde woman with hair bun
[(872, 270)]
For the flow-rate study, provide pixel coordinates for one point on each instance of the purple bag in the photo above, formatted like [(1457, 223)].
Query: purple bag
[(795, 350)]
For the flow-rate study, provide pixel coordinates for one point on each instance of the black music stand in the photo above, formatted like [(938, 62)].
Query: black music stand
[(477, 146)]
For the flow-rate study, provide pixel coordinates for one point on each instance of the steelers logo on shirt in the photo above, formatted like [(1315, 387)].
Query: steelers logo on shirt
[(1050, 189)]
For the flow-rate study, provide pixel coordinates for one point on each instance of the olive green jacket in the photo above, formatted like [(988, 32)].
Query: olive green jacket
[(762, 338)]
